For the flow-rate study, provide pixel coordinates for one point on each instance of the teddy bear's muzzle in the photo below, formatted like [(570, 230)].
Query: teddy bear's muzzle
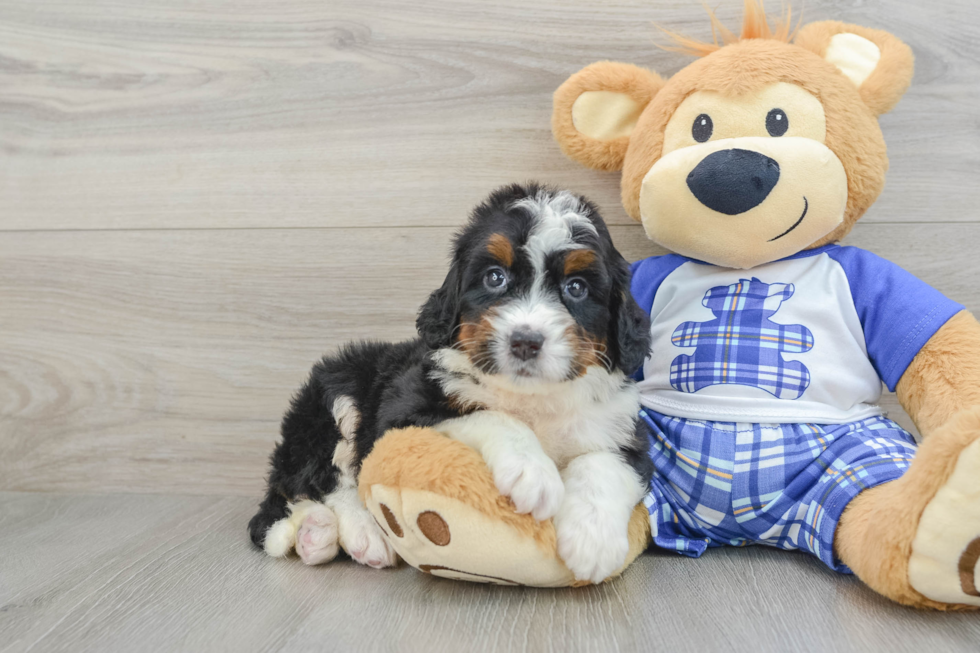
[(741, 202)]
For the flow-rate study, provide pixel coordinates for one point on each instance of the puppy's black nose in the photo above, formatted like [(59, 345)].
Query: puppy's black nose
[(733, 181), (525, 344)]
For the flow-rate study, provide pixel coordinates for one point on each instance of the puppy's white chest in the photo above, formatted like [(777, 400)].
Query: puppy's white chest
[(565, 432)]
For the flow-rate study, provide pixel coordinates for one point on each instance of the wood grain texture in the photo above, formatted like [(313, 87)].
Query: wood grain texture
[(230, 113), (164, 573), (161, 361)]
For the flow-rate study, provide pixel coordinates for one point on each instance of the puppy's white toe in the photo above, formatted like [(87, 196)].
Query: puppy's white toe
[(317, 538), (531, 481)]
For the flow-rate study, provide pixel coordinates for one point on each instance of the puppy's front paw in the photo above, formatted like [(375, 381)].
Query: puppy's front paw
[(592, 543), (365, 542), (531, 480)]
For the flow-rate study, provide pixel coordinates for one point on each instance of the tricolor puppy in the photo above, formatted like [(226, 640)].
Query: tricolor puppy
[(524, 356)]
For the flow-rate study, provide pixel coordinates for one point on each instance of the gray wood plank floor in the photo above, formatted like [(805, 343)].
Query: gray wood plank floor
[(200, 197), (150, 573)]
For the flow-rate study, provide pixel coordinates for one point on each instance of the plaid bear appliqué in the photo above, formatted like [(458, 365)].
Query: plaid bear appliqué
[(742, 345)]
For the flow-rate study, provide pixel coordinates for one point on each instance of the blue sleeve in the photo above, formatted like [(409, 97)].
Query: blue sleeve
[(648, 274), (899, 312)]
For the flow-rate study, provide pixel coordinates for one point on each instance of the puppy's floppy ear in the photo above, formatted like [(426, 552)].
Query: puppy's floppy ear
[(879, 64), (439, 315), (596, 109), (630, 328)]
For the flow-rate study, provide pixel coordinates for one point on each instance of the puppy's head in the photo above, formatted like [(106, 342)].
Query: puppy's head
[(537, 292)]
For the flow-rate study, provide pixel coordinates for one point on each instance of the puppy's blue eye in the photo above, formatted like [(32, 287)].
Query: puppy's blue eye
[(576, 290), (495, 279)]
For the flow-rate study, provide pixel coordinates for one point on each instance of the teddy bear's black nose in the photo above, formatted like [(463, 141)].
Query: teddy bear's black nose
[(733, 181)]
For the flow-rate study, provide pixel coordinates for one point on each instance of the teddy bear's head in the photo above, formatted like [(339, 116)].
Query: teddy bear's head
[(766, 145)]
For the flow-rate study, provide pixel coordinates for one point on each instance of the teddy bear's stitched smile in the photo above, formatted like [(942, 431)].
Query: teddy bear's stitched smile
[(806, 206)]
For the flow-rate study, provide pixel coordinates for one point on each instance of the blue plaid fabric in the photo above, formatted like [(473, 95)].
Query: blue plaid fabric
[(784, 485), (742, 345)]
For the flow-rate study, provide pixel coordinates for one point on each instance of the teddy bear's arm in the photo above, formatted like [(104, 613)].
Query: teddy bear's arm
[(944, 377)]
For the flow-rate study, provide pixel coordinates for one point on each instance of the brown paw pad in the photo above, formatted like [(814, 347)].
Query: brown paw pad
[(434, 528), (393, 524), (967, 567)]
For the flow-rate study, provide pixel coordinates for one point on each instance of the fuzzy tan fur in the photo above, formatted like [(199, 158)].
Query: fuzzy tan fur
[(944, 378), (419, 460), (637, 83), (755, 25), (891, 77)]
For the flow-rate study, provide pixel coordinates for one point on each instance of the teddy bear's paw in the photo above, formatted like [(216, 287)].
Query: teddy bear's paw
[(364, 540), (317, 537), (448, 538), (530, 479), (592, 543), (946, 549)]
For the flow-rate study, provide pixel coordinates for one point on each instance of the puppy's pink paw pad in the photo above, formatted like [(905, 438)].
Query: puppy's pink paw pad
[(317, 540)]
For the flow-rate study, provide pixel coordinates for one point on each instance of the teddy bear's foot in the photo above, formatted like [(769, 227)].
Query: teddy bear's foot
[(916, 540), (441, 537), (946, 548), (440, 509)]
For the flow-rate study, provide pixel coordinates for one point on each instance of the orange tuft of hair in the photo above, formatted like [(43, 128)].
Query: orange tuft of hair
[(755, 25)]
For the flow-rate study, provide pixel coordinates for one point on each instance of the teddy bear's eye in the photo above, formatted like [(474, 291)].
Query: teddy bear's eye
[(701, 131), (776, 122)]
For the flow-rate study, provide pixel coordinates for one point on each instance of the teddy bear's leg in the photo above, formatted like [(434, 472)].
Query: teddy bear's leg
[(916, 540), (437, 503)]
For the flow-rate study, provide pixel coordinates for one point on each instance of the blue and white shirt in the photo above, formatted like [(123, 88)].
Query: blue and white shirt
[(809, 338)]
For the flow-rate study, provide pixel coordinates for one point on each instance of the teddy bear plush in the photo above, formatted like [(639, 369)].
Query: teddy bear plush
[(770, 341)]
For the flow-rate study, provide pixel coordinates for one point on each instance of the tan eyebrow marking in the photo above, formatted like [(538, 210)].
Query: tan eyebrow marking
[(577, 260), (500, 248)]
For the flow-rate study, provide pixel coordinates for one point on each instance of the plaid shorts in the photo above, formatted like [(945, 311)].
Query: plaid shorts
[(784, 485)]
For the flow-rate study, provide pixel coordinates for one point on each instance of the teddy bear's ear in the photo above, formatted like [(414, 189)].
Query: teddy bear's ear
[(596, 109), (878, 63)]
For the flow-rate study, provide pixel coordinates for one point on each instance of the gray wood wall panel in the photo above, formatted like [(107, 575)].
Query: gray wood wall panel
[(349, 113)]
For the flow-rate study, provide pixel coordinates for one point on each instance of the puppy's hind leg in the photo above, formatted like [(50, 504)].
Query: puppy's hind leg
[(360, 535)]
